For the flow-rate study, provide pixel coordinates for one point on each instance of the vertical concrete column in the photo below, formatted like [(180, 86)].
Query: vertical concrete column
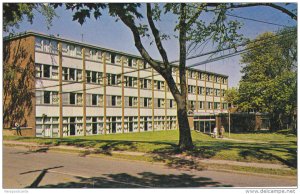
[(166, 110), (221, 105), (60, 90), (152, 81), (205, 102), (213, 93), (84, 91), (104, 90), (139, 91), (123, 98), (197, 97)]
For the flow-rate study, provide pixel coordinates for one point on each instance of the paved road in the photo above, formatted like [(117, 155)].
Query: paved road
[(23, 168)]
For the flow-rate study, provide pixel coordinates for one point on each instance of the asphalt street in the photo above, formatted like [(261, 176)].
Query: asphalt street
[(23, 168)]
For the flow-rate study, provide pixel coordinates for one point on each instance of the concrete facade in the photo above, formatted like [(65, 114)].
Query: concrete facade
[(85, 89)]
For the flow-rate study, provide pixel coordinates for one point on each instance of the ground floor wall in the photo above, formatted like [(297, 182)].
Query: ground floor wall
[(243, 122)]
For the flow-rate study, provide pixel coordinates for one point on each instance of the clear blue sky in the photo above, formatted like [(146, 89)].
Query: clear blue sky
[(115, 35)]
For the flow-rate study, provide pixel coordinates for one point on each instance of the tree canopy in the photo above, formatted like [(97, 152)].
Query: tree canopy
[(269, 81)]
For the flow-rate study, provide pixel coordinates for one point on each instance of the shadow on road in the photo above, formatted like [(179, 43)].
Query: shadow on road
[(143, 180)]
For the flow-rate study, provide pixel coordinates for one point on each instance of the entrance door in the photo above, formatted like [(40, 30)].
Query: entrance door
[(94, 125), (72, 126), (113, 125)]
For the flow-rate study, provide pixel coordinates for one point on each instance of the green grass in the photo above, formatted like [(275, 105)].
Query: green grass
[(279, 148)]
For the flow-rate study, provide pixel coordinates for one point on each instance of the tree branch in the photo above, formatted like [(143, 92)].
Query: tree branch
[(165, 72), (280, 8), (195, 16), (182, 50), (155, 33)]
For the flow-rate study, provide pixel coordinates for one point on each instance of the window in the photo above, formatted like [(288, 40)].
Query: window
[(65, 74), (94, 77), (158, 85), (38, 70), (158, 103), (94, 100), (47, 97), (171, 104), (72, 74), (46, 71), (129, 82), (113, 100), (88, 76), (112, 58), (130, 62), (130, 101), (145, 83), (100, 100), (100, 79), (79, 75), (145, 102), (79, 99), (55, 98), (72, 98), (145, 65), (54, 72), (201, 104), (113, 79)]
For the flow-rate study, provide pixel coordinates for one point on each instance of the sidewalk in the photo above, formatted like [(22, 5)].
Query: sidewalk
[(35, 146)]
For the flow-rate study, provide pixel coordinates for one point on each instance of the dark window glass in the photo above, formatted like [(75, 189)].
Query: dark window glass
[(47, 71), (130, 101), (72, 74), (94, 77), (130, 82), (72, 98), (158, 85), (158, 103), (46, 97), (113, 100), (88, 76), (113, 79), (145, 102), (145, 83), (145, 65), (130, 62), (65, 73), (94, 99), (112, 58)]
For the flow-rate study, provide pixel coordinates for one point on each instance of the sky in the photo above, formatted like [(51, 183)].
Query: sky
[(108, 33)]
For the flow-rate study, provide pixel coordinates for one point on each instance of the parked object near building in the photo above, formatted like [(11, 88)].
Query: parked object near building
[(71, 88)]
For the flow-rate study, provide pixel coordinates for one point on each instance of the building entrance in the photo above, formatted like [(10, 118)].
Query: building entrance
[(205, 123)]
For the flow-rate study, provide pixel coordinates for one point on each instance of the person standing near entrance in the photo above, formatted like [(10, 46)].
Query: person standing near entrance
[(215, 132), (222, 131), (18, 128)]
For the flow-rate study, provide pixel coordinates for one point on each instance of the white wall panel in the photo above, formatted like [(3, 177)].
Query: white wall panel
[(44, 58)]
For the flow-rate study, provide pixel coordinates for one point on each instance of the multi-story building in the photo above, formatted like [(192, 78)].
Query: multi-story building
[(51, 83)]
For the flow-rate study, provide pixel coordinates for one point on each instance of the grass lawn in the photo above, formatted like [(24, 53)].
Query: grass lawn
[(278, 148)]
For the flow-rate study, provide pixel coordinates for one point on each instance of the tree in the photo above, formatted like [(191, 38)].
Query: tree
[(231, 96), (190, 30), (14, 13), (269, 83)]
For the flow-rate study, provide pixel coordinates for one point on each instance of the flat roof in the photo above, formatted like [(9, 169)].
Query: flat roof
[(32, 33)]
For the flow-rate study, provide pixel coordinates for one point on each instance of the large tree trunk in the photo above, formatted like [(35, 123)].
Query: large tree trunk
[(185, 139)]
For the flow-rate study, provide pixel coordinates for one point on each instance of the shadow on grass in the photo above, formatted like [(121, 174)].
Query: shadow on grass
[(142, 180), (167, 152)]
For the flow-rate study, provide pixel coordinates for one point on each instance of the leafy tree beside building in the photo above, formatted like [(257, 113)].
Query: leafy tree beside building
[(269, 83)]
